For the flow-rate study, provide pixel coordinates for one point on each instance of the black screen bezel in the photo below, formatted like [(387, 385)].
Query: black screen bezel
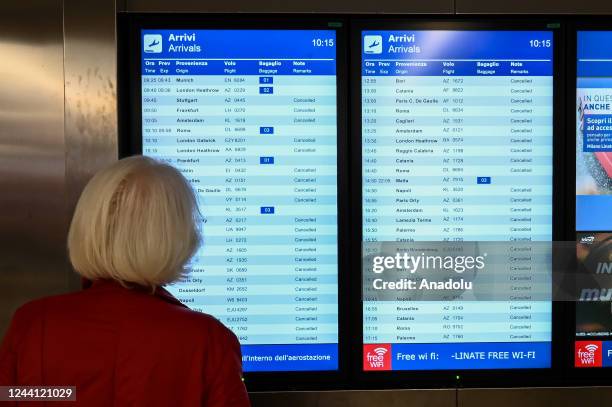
[(460, 378), (130, 143)]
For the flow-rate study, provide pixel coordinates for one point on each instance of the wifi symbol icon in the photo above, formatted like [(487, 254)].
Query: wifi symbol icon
[(381, 351), (591, 348)]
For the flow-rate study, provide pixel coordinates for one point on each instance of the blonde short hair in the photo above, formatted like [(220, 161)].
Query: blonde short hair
[(136, 221)]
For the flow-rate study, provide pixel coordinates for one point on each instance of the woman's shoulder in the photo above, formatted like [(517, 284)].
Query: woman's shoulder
[(36, 307), (28, 311), (153, 315), (124, 306), (29, 315), (44, 305)]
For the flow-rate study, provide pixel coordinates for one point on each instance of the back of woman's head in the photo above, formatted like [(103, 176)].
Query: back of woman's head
[(136, 222)]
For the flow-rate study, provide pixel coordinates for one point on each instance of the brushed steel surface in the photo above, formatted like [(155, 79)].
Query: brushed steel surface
[(357, 398), (32, 211), (283, 6), (535, 7), (90, 66)]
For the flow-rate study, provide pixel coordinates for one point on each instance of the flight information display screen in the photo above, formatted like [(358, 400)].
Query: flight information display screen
[(594, 132), (250, 118), (457, 146)]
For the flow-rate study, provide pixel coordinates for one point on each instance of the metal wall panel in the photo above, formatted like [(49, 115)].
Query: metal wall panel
[(90, 60), (535, 7), (32, 211), (284, 6)]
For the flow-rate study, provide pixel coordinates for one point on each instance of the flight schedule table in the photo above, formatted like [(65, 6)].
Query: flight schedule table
[(250, 118), (457, 135)]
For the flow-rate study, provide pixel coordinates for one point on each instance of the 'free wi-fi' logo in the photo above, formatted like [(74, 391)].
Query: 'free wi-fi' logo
[(377, 357), (152, 43), (588, 354)]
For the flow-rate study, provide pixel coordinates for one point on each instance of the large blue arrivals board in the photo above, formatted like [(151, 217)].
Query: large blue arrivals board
[(250, 118), (457, 136)]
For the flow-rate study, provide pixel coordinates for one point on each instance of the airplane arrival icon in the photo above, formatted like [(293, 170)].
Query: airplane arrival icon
[(372, 44), (152, 43)]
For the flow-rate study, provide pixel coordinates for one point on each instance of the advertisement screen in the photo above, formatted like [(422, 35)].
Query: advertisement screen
[(593, 346), (594, 132)]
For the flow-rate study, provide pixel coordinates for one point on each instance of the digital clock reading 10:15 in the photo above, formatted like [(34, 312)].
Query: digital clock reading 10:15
[(540, 43), (323, 42)]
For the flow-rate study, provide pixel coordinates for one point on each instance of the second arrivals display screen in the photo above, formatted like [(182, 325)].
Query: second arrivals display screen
[(250, 118), (457, 146)]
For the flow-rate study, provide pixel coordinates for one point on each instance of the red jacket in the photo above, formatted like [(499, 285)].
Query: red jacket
[(123, 347)]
